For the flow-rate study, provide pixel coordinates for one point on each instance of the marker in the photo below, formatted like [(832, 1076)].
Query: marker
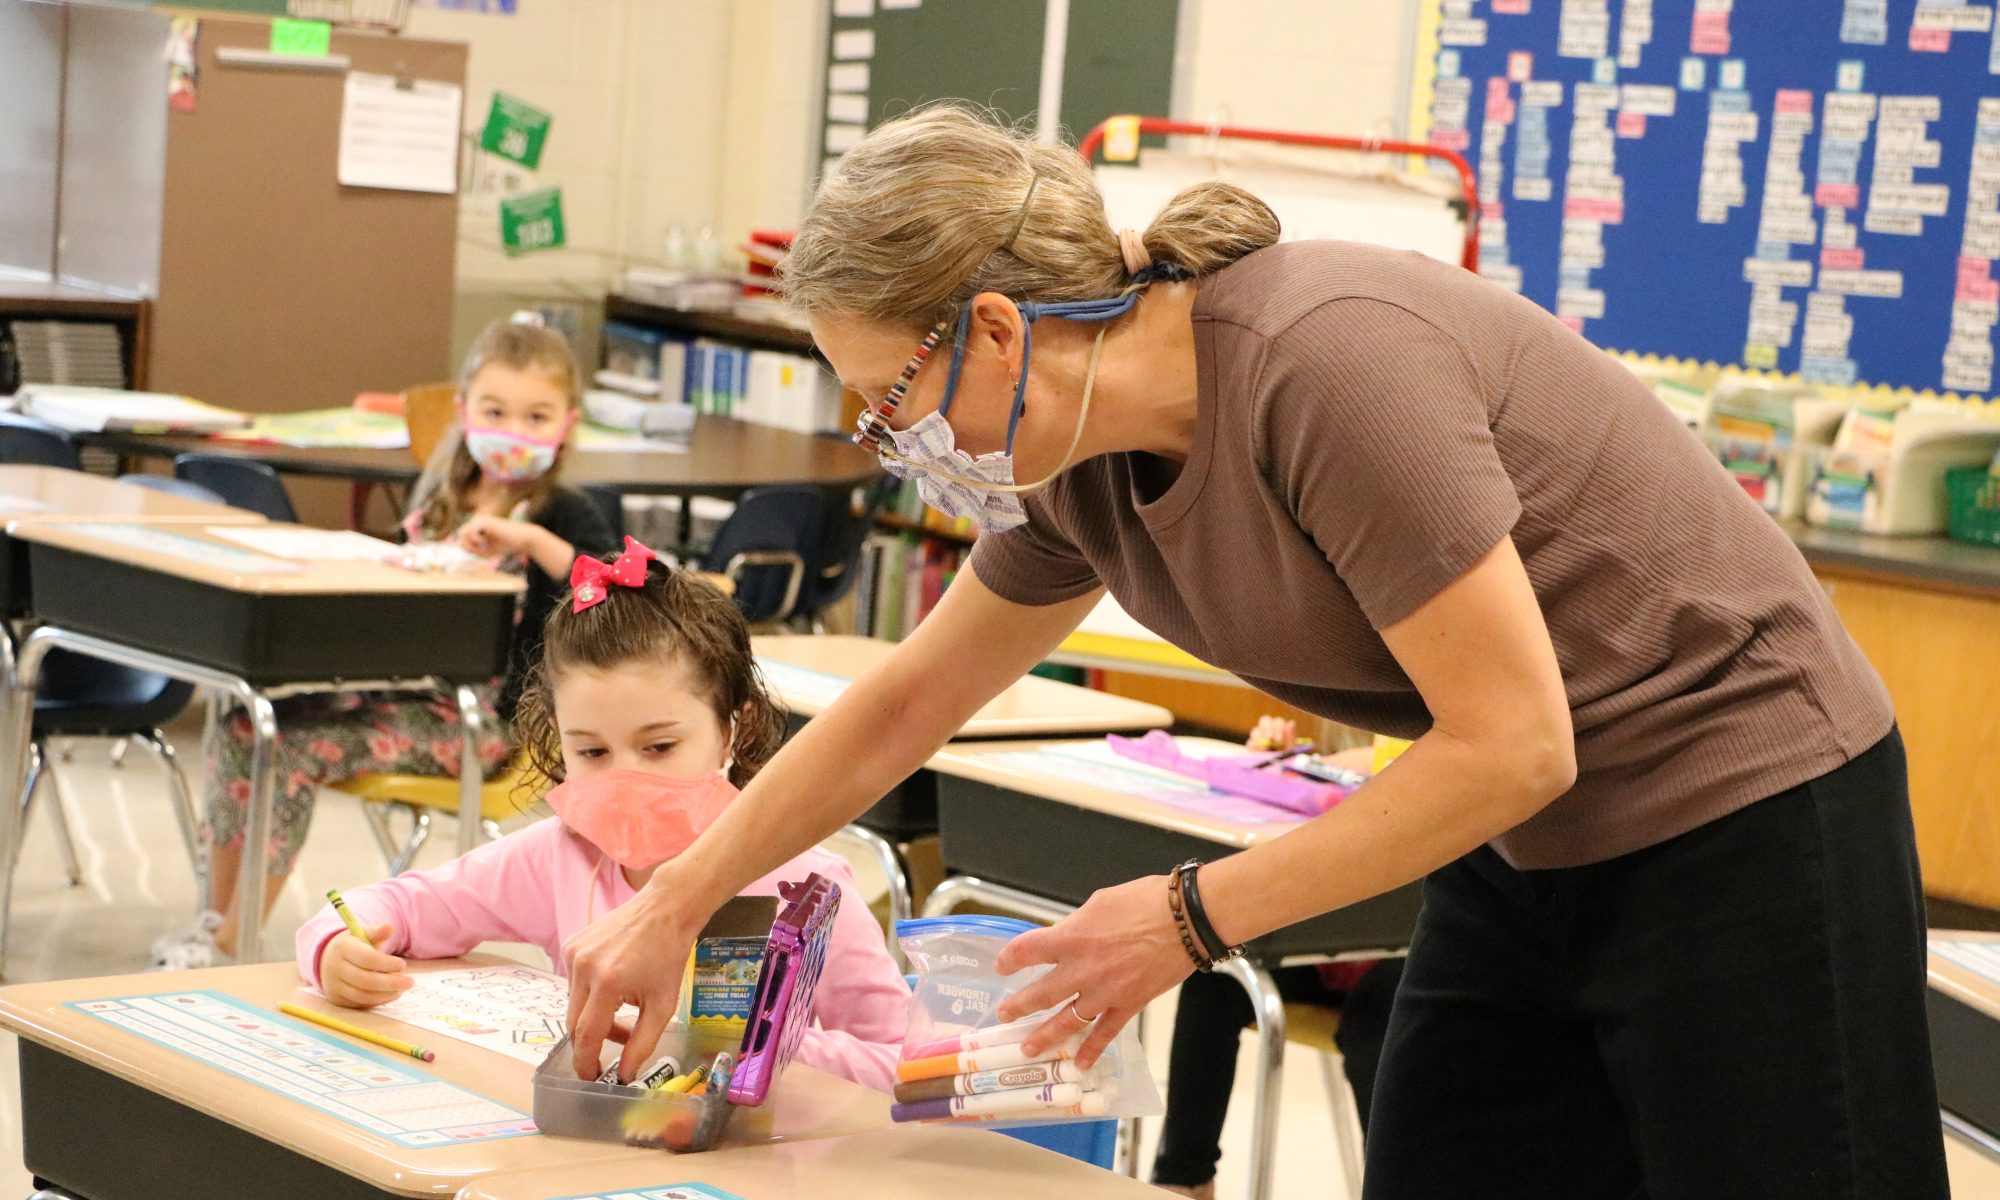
[(1035, 1101), (1008, 1034), (990, 1058), (366, 1035), (353, 925), (982, 1082)]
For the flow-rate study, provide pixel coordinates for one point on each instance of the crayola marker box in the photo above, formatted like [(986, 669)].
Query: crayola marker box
[(720, 983)]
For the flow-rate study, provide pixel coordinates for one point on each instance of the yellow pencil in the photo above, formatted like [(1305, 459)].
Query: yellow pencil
[(353, 924), (366, 1035)]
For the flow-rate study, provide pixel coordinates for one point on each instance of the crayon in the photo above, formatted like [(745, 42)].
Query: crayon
[(1093, 1104), (997, 1104), (991, 1058), (353, 925), (1008, 1034), (366, 1035), (981, 1082)]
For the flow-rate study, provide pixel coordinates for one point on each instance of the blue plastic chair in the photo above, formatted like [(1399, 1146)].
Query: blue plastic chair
[(242, 482), (25, 442), (767, 548), (167, 484)]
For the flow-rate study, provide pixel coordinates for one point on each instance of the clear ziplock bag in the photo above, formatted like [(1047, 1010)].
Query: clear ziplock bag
[(961, 1064)]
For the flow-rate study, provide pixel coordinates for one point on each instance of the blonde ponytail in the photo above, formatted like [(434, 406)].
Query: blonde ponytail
[(928, 211)]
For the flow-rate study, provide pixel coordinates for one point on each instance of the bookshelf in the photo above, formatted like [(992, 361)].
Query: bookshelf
[(34, 300)]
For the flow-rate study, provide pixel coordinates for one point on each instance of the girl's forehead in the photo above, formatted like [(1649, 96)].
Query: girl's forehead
[(515, 385)]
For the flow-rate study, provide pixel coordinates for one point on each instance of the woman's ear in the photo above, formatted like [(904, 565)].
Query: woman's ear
[(997, 328)]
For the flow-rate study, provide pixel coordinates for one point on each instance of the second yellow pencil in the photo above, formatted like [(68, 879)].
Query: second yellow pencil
[(367, 1035)]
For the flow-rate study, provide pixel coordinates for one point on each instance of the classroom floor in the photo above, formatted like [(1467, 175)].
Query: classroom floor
[(137, 886)]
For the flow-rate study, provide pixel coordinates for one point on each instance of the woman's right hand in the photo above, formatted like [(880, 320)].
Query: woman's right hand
[(634, 954), (354, 974)]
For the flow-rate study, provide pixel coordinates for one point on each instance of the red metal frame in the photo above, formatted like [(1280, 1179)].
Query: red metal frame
[(1467, 184)]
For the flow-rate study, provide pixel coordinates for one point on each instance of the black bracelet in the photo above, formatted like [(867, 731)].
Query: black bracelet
[(1197, 917)]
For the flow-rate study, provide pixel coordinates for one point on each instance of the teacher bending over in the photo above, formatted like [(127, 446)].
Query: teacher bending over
[(1672, 934)]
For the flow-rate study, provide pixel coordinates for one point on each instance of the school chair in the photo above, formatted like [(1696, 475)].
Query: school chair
[(418, 796), (25, 442), (1313, 1026), (765, 546), (86, 697), (837, 568), (167, 484), (241, 482), (428, 410)]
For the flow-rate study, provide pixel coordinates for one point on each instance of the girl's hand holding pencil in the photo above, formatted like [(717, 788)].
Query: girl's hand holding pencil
[(354, 974)]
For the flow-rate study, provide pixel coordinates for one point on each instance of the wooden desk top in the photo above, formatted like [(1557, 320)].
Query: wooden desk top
[(915, 1163), (54, 494), (198, 553), (808, 1105), (1959, 981), (1031, 705), (723, 457), (984, 762)]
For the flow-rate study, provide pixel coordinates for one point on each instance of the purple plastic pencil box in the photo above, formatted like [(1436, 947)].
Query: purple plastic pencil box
[(783, 1008), (1234, 774)]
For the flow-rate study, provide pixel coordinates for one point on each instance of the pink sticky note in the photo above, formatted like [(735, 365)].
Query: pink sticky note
[(1511, 8), (1631, 124), (1793, 100), (1838, 195), (1930, 41), (1840, 258), (1450, 139)]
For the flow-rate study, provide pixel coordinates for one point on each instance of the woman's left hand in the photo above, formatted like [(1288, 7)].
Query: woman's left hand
[(1113, 956)]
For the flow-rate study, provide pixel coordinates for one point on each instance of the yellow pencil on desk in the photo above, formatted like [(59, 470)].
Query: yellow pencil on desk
[(347, 915), (367, 1035)]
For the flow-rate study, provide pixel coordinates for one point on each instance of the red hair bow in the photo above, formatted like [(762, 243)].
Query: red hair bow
[(591, 579)]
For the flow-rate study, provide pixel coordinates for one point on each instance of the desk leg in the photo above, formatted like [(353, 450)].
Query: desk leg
[(471, 770), (1270, 1010), (257, 825), (15, 750)]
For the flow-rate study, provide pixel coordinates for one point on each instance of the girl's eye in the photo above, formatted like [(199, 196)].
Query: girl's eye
[(661, 747), (592, 752)]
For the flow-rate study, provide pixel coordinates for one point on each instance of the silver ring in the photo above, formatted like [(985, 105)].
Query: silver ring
[(1080, 1017)]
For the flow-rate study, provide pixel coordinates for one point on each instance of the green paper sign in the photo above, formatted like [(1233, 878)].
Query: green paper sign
[(307, 39), (515, 130), (532, 221)]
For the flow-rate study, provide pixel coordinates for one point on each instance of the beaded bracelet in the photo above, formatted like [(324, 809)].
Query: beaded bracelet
[(1176, 906)]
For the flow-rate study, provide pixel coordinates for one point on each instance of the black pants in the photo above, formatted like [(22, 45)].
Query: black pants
[(1208, 1023), (1737, 1012)]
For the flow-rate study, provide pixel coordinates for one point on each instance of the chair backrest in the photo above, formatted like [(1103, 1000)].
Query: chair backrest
[(29, 443), (429, 409), (835, 572), (611, 502), (767, 547), (186, 489), (242, 482)]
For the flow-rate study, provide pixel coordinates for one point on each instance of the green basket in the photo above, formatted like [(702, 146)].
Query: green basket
[(1972, 505)]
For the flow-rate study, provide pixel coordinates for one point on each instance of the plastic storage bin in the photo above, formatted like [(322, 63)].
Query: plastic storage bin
[(744, 1071)]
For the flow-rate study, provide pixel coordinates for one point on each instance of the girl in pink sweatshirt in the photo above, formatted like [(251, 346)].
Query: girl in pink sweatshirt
[(648, 712)]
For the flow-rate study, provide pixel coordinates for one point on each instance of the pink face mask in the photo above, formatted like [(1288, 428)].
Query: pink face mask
[(640, 819)]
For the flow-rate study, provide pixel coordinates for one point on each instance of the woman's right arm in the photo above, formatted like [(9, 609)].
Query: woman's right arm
[(886, 725)]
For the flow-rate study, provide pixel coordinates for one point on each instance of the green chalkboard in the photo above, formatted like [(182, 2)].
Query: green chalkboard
[(1118, 58)]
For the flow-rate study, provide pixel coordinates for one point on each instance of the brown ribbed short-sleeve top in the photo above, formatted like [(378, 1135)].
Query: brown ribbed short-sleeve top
[(1371, 423)]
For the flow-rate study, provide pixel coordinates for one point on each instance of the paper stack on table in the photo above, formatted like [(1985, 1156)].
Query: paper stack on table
[(97, 410)]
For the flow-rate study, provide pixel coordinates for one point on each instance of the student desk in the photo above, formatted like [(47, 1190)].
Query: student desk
[(807, 674), (914, 1163), (56, 494), (1034, 839), (186, 602), (108, 1114), (1964, 1003)]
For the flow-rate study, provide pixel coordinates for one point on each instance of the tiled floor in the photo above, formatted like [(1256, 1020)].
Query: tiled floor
[(137, 886)]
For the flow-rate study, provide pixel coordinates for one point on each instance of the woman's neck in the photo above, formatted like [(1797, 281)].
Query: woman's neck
[(1147, 379)]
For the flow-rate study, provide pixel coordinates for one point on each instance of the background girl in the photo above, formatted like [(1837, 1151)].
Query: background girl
[(649, 712), (490, 487)]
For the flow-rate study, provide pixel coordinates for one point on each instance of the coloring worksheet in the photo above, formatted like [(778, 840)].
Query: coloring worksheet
[(405, 1104), (512, 1009), (676, 1191)]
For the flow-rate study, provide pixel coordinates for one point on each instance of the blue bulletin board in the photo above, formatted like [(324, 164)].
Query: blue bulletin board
[(1785, 185)]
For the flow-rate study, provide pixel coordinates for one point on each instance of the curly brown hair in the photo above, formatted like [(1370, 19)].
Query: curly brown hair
[(673, 615)]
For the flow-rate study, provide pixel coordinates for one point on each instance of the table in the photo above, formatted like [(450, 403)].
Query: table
[(915, 1163), (187, 603), (807, 674), (1035, 838), (1964, 1004), (108, 1114), (55, 494), (723, 457)]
